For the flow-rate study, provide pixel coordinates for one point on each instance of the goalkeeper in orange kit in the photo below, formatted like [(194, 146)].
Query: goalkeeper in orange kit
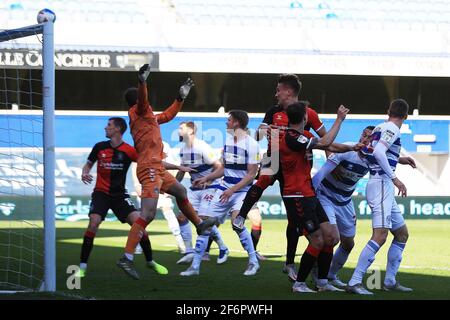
[(144, 125)]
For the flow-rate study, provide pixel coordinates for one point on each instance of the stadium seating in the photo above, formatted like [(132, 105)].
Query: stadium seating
[(366, 14)]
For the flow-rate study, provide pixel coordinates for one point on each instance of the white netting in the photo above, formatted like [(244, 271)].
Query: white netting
[(21, 166)]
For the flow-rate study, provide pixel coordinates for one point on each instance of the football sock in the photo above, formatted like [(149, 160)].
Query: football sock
[(395, 254), (134, 237), (256, 234), (210, 241), (323, 263), (86, 247), (217, 237), (186, 234), (366, 258), (200, 246), (307, 262), (292, 236), (339, 258), (247, 244), (146, 247), (174, 227)]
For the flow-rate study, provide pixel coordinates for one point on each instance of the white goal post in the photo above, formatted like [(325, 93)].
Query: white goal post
[(48, 143)]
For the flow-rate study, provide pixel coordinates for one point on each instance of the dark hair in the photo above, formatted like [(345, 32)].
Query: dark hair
[(296, 112), (398, 108), (191, 125), (369, 128), (241, 117), (292, 81), (130, 96), (120, 123)]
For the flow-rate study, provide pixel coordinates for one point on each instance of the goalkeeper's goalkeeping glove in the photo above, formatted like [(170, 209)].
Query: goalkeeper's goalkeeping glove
[(143, 73), (185, 88)]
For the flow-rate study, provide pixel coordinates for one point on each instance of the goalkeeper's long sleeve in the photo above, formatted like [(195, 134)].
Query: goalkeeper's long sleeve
[(170, 112), (142, 101)]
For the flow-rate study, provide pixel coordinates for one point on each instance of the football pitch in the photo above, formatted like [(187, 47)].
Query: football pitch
[(425, 266)]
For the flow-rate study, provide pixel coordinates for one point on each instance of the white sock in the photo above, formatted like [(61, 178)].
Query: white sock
[(200, 247), (217, 237), (366, 258), (395, 254), (339, 258), (247, 244), (186, 234), (172, 221), (129, 256), (83, 265)]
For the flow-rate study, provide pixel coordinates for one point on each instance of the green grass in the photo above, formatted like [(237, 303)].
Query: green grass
[(425, 266)]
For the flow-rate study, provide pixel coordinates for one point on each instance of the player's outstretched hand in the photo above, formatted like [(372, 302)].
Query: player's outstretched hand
[(401, 187), (186, 169), (185, 88), (143, 73), (358, 146), (342, 112), (200, 182), (87, 178), (411, 162)]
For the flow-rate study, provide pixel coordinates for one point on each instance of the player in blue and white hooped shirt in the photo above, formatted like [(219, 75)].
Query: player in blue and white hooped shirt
[(240, 165), (382, 155), (335, 183), (200, 157)]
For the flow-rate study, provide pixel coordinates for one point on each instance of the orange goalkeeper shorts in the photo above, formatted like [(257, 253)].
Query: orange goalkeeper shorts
[(154, 180)]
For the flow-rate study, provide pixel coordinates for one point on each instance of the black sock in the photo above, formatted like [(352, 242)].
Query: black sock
[(307, 262), (86, 247), (292, 236), (324, 262), (253, 195), (208, 247), (146, 247), (255, 234)]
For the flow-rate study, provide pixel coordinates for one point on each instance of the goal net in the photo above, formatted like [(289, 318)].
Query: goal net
[(27, 232)]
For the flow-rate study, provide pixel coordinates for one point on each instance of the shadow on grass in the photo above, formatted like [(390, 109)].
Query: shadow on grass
[(105, 280)]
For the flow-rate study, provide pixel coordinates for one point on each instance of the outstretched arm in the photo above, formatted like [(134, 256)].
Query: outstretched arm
[(325, 141), (172, 111), (342, 148), (142, 100)]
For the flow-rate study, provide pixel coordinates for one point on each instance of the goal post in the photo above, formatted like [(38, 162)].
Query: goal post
[(48, 283)]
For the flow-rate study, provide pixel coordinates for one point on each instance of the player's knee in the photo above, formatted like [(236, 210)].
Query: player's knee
[(402, 236), (380, 236), (347, 244), (94, 224), (331, 241), (317, 241)]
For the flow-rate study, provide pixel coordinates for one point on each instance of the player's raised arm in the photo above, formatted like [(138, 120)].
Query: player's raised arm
[(173, 110), (325, 141), (342, 148), (142, 100)]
